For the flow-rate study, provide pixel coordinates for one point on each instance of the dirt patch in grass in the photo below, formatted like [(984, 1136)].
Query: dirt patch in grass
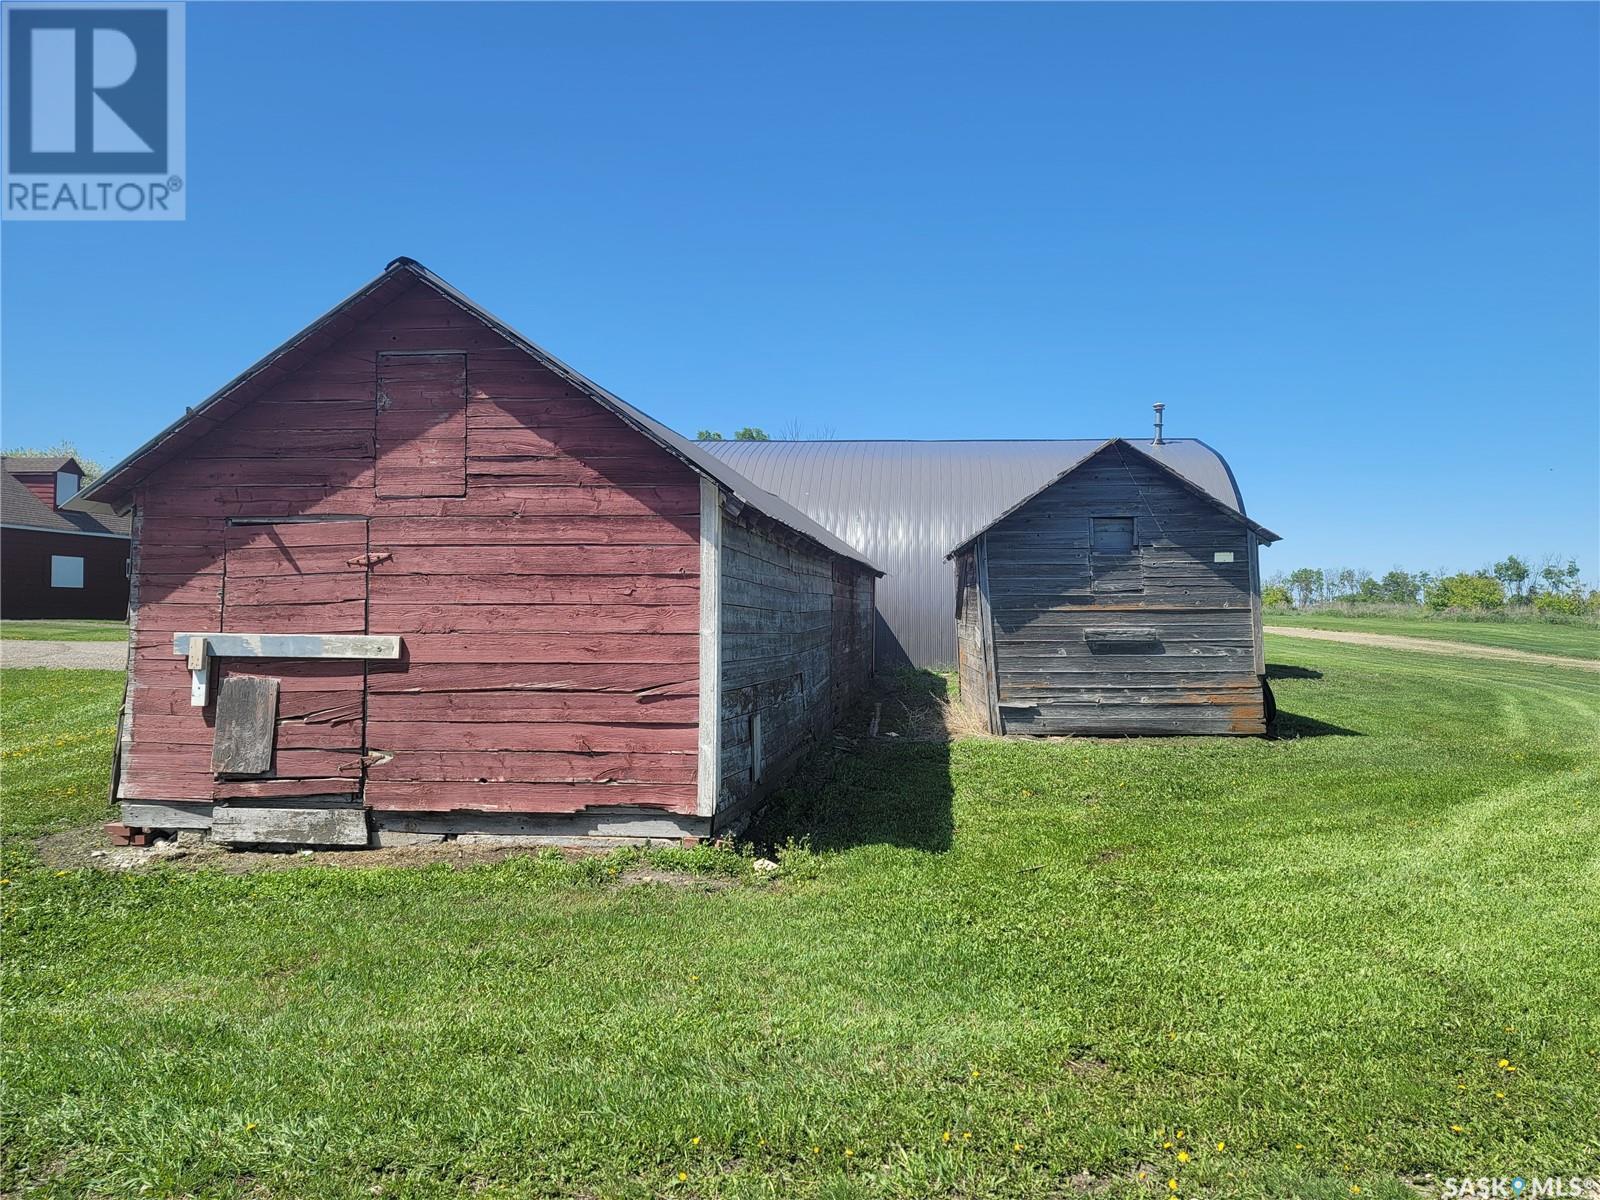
[(90, 846)]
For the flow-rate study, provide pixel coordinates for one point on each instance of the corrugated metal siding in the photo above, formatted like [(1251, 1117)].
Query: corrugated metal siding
[(905, 505)]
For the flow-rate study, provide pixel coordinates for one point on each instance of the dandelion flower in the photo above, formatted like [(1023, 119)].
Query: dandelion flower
[(1183, 1156), (1299, 1145), (1457, 1129), (947, 1135), (248, 1128), (976, 1072), (967, 1137), (1222, 1145), (1505, 1062), (694, 1141), (1355, 1189), (1179, 1134), (1499, 1095), (1172, 1185), (816, 1149), (1017, 1146), (1166, 1145), (683, 1176)]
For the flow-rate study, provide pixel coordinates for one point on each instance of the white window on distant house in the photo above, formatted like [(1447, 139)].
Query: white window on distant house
[(66, 487), (66, 571)]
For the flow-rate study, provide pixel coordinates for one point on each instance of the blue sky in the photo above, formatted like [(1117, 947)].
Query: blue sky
[(1352, 246)]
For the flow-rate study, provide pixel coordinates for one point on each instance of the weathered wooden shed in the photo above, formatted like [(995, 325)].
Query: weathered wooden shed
[(1120, 598), (410, 576)]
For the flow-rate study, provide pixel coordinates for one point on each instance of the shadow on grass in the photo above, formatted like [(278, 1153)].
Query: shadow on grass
[(1290, 727), (1284, 671), (891, 787)]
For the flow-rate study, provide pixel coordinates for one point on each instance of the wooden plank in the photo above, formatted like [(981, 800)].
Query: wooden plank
[(331, 825), (492, 766), (986, 622), (143, 814), (413, 618), (708, 744), (555, 648), (261, 789), (567, 707), (393, 736), (545, 592), (290, 645), (383, 795), (537, 560), (538, 529), (247, 716), (628, 678)]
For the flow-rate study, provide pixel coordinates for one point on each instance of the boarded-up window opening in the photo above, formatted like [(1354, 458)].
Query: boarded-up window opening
[(1113, 535), (1115, 566)]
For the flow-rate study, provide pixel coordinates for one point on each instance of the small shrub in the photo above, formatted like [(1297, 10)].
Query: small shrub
[(1466, 590), (1275, 595), (1558, 603)]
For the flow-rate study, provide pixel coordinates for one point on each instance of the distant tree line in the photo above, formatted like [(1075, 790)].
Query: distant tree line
[(1553, 585)]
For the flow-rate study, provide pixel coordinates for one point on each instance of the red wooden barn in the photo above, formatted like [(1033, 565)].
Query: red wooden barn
[(55, 561), (411, 577)]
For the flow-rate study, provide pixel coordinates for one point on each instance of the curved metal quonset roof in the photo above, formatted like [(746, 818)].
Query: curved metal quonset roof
[(904, 505)]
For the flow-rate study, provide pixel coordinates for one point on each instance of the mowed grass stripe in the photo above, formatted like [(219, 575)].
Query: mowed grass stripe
[(1078, 948), (1574, 638)]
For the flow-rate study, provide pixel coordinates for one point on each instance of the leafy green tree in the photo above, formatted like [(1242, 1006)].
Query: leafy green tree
[(1307, 584), (750, 434), (1275, 595), (1560, 579), (1466, 590), (708, 435), (1566, 604), (1513, 573), (1398, 587)]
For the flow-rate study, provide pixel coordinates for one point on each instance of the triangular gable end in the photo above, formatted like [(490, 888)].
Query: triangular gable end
[(1261, 531), (116, 486)]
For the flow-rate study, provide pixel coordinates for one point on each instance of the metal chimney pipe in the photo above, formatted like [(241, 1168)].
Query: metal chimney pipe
[(1158, 408)]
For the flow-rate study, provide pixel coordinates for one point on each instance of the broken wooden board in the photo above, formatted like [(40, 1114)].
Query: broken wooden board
[(247, 717), (333, 821)]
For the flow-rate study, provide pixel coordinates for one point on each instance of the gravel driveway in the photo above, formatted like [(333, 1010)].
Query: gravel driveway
[(1395, 641), (94, 656)]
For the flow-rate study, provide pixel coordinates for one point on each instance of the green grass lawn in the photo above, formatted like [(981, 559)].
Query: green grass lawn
[(1004, 969), (64, 631), (1575, 640)]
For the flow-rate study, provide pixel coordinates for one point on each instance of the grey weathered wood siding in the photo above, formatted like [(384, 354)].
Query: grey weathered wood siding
[(1162, 639), (972, 663), (796, 648)]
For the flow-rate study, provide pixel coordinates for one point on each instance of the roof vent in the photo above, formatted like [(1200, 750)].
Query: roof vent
[(1159, 409)]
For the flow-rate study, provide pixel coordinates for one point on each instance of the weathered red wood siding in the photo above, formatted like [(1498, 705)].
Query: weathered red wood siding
[(549, 614), (41, 483)]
